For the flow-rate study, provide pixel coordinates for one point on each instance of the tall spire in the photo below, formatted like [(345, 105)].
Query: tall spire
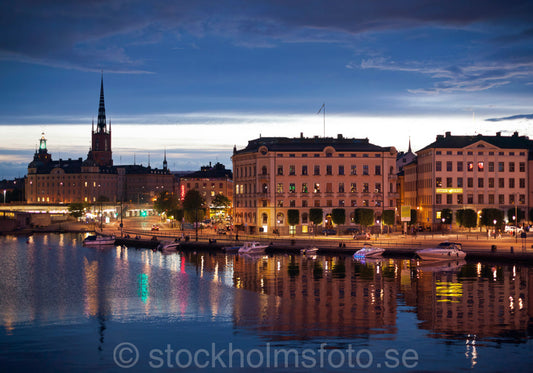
[(165, 165), (409, 150), (101, 108)]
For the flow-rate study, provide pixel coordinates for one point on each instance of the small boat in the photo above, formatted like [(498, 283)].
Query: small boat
[(369, 251), (99, 240), (444, 251), (309, 251), (168, 246), (231, 249), (252, 248)]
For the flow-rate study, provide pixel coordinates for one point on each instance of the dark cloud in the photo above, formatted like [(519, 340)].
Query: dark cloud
[(62, 32), (513, 117)]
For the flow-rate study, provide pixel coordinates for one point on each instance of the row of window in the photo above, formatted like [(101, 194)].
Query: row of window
[(306, 188), (460, 152), (459, 199), (59, 184), (305, 170), (204, 185), (317, 203), (328, 155), (480, 182), (471, 166)]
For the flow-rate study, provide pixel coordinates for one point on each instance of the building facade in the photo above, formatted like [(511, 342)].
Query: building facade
[(275, 174), (95, 178), (474, 172)]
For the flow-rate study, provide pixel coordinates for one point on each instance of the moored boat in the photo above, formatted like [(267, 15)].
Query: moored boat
[(309, 251), (99, 240), (252, 248), (169, 246), (369, 251), (444, 251)]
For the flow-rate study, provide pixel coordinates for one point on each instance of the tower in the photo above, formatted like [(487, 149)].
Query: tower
[(101, 137)]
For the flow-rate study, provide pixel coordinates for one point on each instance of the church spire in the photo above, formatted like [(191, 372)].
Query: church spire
[(165, 165), (409, 150), (101, 108)]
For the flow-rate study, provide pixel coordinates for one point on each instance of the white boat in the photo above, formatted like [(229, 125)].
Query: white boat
[(309, 251), (369, 251), (169, 246), (252, 248), (99, 240), (444, 251)]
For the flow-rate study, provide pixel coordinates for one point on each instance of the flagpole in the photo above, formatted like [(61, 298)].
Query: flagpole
[(323, 108)]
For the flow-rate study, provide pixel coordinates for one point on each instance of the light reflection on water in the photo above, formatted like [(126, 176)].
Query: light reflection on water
[(51, 281)]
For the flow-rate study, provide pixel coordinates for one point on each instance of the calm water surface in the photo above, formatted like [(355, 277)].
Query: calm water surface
[(65, 307)]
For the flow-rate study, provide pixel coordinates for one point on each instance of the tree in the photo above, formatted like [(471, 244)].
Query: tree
[(364, 217), (414, 217), (338, 216), (511, 213), (488, 216), (76, 209), (166, 202), (388, 217), (466, 218), (193, 203), (293, 217), (316, 216), (447, 215)]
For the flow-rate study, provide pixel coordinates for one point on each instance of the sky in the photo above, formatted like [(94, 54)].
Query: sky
[(196, 78)]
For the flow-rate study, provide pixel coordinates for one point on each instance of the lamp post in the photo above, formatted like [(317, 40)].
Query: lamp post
[(494, 221), (442, 226), (4, 196)]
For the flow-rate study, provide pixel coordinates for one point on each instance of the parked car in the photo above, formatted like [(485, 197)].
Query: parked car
[(222, 230), (155, 227), (329, 232), (361, 236), (513, 229)]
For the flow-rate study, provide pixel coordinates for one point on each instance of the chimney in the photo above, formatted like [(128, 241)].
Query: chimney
[(339, 136), (301, 135), (498, 134), (448, 134)]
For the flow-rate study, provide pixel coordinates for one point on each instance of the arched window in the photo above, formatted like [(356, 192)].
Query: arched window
[(264, 170), (264, 219)]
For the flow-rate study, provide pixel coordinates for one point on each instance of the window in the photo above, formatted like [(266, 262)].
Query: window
[(449, 182), (378, 188), (305, 218), (491, 166), (438, 166), (365, 188), (449, 200), (329, 170), (459, 199), (501, 182), (280, 203), (317, 170), (480, 166), (365, 169), (449, 166), (511, 199), (511, 166), (341, 170), (292, 188), (316, 188), (491, 199), (501, 199), (292, 203), (491, 182), (279, 189), (365, 203), (292, 170), (329, 203), (522, 183), (438, 199), (470, 166), (459, 166), (459, 182), (511, 183), (353, 203), (304, 204), (329, 188), (522, 167), (470, 182), (317, 203), (470, 199), (280, 170), (304, 188), (480, 199), (304, 170), (341, 187), (377, 170), (501, 167), (341, 203), (264, 170), (480, 182), (353, 187), (353, 170)]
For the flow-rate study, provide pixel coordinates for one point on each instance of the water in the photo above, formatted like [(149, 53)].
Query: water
[(65, 307)]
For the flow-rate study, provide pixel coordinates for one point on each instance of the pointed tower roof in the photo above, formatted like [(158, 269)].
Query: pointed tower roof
[(409, 150), (101, 108), (165, 164)]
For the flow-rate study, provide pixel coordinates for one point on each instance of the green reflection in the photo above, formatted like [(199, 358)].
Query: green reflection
[(144, 288)]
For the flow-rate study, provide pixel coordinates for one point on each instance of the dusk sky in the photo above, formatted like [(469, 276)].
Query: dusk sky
[(198, 77)]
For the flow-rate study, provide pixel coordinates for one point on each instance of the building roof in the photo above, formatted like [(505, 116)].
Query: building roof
[(505, 142), (310, 144), (218, 171)]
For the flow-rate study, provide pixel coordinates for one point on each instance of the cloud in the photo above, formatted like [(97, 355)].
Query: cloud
[(455, 78), (513, 117), (61, 33)]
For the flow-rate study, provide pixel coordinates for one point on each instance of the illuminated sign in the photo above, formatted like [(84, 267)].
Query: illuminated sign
[(405, 213), (182, 192), (449, 190)]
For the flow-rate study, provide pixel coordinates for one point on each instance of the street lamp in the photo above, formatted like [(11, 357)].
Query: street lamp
[(4, 196), (443, 220), (494, 221)]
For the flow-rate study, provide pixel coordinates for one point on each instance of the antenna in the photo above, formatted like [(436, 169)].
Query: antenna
[(323, 109)]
